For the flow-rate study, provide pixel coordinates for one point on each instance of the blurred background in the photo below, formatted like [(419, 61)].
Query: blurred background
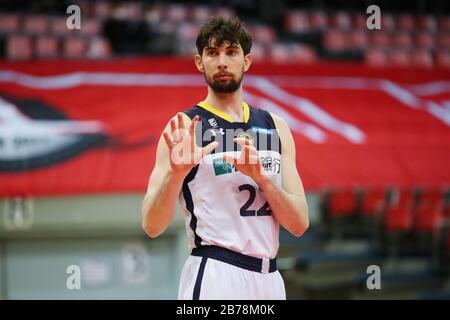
[(81, 112)]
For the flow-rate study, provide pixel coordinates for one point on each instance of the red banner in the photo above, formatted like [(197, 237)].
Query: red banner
[(92, 127)]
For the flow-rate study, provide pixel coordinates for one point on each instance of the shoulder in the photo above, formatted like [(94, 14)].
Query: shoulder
[(194, 111), (262, 117), (284, 133), (187, 114), (279, 122)]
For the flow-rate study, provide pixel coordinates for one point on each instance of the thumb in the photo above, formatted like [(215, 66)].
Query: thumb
[(209, 148)]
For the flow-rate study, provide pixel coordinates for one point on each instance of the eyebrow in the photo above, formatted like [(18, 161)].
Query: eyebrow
[(233, 46)]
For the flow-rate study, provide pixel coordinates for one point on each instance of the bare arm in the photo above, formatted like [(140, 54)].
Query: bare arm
[(171, 167), (288, 203), (158, 207)]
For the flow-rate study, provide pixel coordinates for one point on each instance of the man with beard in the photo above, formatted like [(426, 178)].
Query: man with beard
[(234, 191)]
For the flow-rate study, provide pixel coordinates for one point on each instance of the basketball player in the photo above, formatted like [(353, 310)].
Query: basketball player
[(234, 191)]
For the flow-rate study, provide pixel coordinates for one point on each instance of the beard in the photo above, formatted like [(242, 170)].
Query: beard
[(227, 86)]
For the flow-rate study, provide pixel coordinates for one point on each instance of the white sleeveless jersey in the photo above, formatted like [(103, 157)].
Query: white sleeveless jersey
[(223, 206)]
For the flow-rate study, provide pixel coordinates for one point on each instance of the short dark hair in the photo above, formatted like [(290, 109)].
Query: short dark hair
[(220, 30)]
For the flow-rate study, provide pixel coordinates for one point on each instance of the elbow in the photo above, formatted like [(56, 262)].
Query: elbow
[(148, 227), (300, 230), (151, 229), (152, 232), (303, 223)]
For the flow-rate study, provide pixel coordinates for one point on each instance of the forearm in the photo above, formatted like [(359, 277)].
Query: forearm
[(158, 207), (290, 210)]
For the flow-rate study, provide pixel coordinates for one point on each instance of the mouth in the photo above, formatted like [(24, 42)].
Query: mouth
[(223, 77)]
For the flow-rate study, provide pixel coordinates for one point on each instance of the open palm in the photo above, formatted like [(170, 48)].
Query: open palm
[(184, 152)]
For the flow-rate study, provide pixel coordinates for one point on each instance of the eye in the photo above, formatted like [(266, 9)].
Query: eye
[(211, 53), (232, 52)]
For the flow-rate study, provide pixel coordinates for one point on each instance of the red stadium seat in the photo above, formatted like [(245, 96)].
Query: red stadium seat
[(74, 48), (380, 39), (279, 53), (428, 212), (376, 57), (444, 23), (405, 22), (446, 211), (135, 11), (99, 48), (258, 52), (443, 40), (342, 202), (225, 13), (373, 201), (155, 14), (91, 27), (9, 23), (427, 23), (403, 40), (359, 39), (336, 40), (297, 22), (177, 13), (423, 58), (318, 20), (443, 58), (398, 215), (58, 26), (400, 58), (388, 22), (425, 40), (303, 54), (46, 47), (263, 34), (102, 9), (360, 21), (341, 20), (35, 24), (18, 47), (200, 14), (167, 26), (188, 32)]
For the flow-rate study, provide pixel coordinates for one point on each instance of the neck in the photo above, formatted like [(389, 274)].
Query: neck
[(229, 103)]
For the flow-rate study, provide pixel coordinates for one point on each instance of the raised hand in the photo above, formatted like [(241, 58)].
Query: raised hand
[(184, 152), (248, 162)]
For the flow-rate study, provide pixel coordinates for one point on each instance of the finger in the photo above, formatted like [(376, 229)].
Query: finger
[(192, 131), (193, 125), (173, 126), (209, 148), (230, 159), (243, 141), (245, 154), (180, 121), (253, 159), (249, 149), (174, 131), (169, 142)]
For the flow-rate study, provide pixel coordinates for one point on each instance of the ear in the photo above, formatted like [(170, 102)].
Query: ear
[(198, 62), (247, 61)]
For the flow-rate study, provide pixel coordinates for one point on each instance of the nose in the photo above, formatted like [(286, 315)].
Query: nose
[(222, 61)]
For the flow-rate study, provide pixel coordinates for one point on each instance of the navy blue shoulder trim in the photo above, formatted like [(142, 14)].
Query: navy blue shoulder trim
[(192, 112), (260, 116), (270, 119)]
